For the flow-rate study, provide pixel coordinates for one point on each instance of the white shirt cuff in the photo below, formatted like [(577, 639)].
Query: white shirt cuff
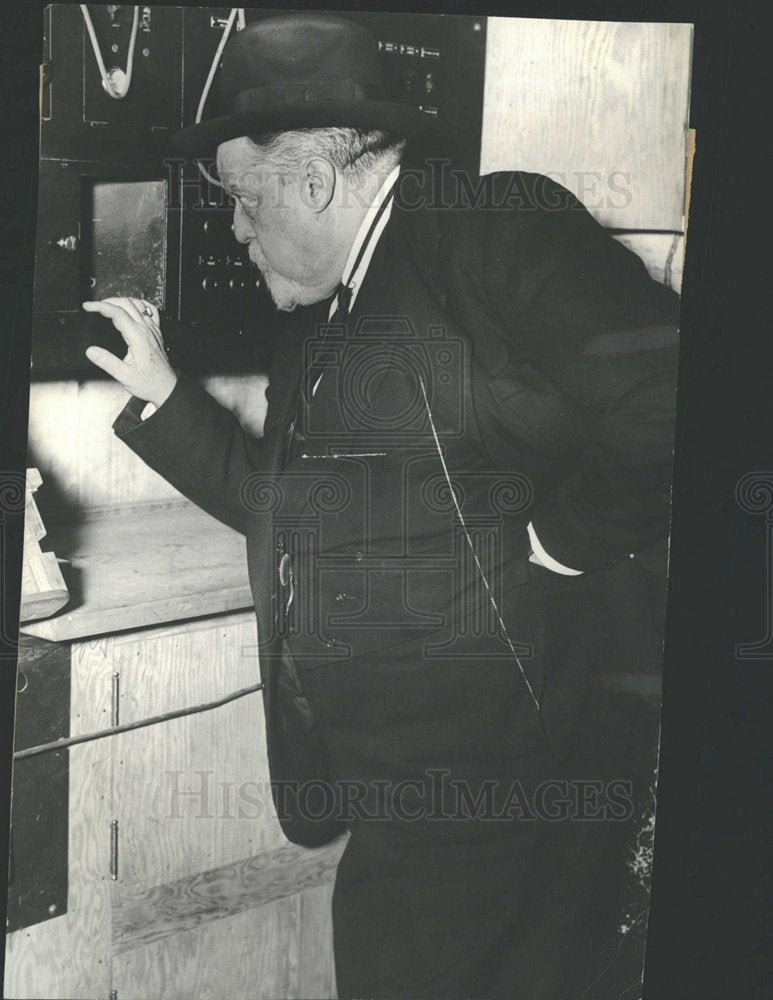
[(541, 558), (148, 409)]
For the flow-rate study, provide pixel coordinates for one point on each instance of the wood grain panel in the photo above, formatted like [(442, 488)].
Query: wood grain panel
[(183, 664), (138, 568), (316, 968), (69, 957), (261, 954), (143, 917), (599, 106), (192, 793), (84, 465)]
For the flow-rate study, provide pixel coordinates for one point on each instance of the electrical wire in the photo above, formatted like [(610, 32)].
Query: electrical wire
[(117, 93), (668, 279), (237, 14), (129, 726)]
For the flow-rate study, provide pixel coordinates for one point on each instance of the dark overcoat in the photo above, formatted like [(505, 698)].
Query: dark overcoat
[(501, 341), (506, 362), (548, 358)]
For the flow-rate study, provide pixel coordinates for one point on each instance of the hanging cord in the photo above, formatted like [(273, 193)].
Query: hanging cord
[(472, 547), (129, 726), (116, 92), (668, 279), (237, 14)]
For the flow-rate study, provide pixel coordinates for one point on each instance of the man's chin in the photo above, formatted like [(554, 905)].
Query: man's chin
[(285, 295)]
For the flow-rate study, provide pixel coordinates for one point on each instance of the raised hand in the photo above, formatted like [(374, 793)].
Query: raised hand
[(145, 371)]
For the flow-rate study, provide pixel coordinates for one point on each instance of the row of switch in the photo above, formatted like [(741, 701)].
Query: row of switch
[(239, 276), (229, 260), (235, 283), (413, 78), (417, 51)]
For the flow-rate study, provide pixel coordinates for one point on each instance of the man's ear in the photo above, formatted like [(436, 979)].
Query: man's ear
[(319, 183)]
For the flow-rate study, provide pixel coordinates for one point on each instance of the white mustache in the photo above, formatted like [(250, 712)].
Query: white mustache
[(256, 255)]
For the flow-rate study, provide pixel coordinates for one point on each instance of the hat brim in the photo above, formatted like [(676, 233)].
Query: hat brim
[(203, 139)]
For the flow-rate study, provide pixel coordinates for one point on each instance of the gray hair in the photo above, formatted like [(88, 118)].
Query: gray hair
[(354, 151)]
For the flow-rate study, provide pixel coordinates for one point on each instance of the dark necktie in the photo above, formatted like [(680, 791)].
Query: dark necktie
[(296, 437), (339, 318)]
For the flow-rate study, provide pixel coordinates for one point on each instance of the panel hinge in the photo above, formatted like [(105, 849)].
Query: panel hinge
[(116, 693), (114, 849)]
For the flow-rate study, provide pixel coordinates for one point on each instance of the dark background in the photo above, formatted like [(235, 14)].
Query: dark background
[(711, 922)]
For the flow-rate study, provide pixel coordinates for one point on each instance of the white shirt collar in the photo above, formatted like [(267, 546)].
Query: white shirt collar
[(355, 280)]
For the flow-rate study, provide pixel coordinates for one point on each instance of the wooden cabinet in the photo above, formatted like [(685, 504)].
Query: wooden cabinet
[(181, 883), (189, 794)]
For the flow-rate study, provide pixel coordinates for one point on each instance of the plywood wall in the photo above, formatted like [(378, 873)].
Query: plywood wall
[(602, 107), (85, 466)]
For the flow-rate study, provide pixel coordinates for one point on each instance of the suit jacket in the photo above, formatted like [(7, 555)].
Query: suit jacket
[(498, 326)]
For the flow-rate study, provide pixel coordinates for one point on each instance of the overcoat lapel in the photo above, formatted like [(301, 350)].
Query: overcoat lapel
[(382, 307)]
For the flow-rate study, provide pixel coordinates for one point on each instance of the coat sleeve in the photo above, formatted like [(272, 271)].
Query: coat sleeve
[(198, 446), (584, 312)]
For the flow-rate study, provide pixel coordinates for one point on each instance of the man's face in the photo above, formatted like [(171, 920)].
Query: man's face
[(271, 218)]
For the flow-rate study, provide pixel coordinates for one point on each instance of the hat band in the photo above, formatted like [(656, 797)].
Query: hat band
[(261, 98)]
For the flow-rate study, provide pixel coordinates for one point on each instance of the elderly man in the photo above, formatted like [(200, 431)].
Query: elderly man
[(469, 430)]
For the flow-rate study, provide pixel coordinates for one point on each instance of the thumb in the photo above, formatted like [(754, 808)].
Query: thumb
[(109, 363)]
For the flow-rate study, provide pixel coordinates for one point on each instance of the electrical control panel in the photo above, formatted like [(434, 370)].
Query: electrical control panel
[(122, 212), (218, 282), (133, 47), (135, 42)]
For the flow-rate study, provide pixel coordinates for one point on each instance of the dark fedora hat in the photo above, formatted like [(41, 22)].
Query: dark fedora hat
[(303, 70)]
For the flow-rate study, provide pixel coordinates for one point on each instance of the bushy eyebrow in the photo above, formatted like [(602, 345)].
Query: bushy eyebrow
[(236, 191), (229, 181), (231, 192)]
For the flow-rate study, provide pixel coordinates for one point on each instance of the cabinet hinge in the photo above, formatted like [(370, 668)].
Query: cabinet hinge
[(114, 721), (114, 849)]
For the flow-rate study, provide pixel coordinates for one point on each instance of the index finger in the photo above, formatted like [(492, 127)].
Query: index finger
[(126, 325), (134, 307)]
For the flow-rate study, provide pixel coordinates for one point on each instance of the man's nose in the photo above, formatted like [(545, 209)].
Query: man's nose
[(241, 227)]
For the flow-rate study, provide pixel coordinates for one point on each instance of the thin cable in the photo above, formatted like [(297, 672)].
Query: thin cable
[(130, 57), (129, 726), (668, 280), (235, 11), (116, 93), (472, 547)]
